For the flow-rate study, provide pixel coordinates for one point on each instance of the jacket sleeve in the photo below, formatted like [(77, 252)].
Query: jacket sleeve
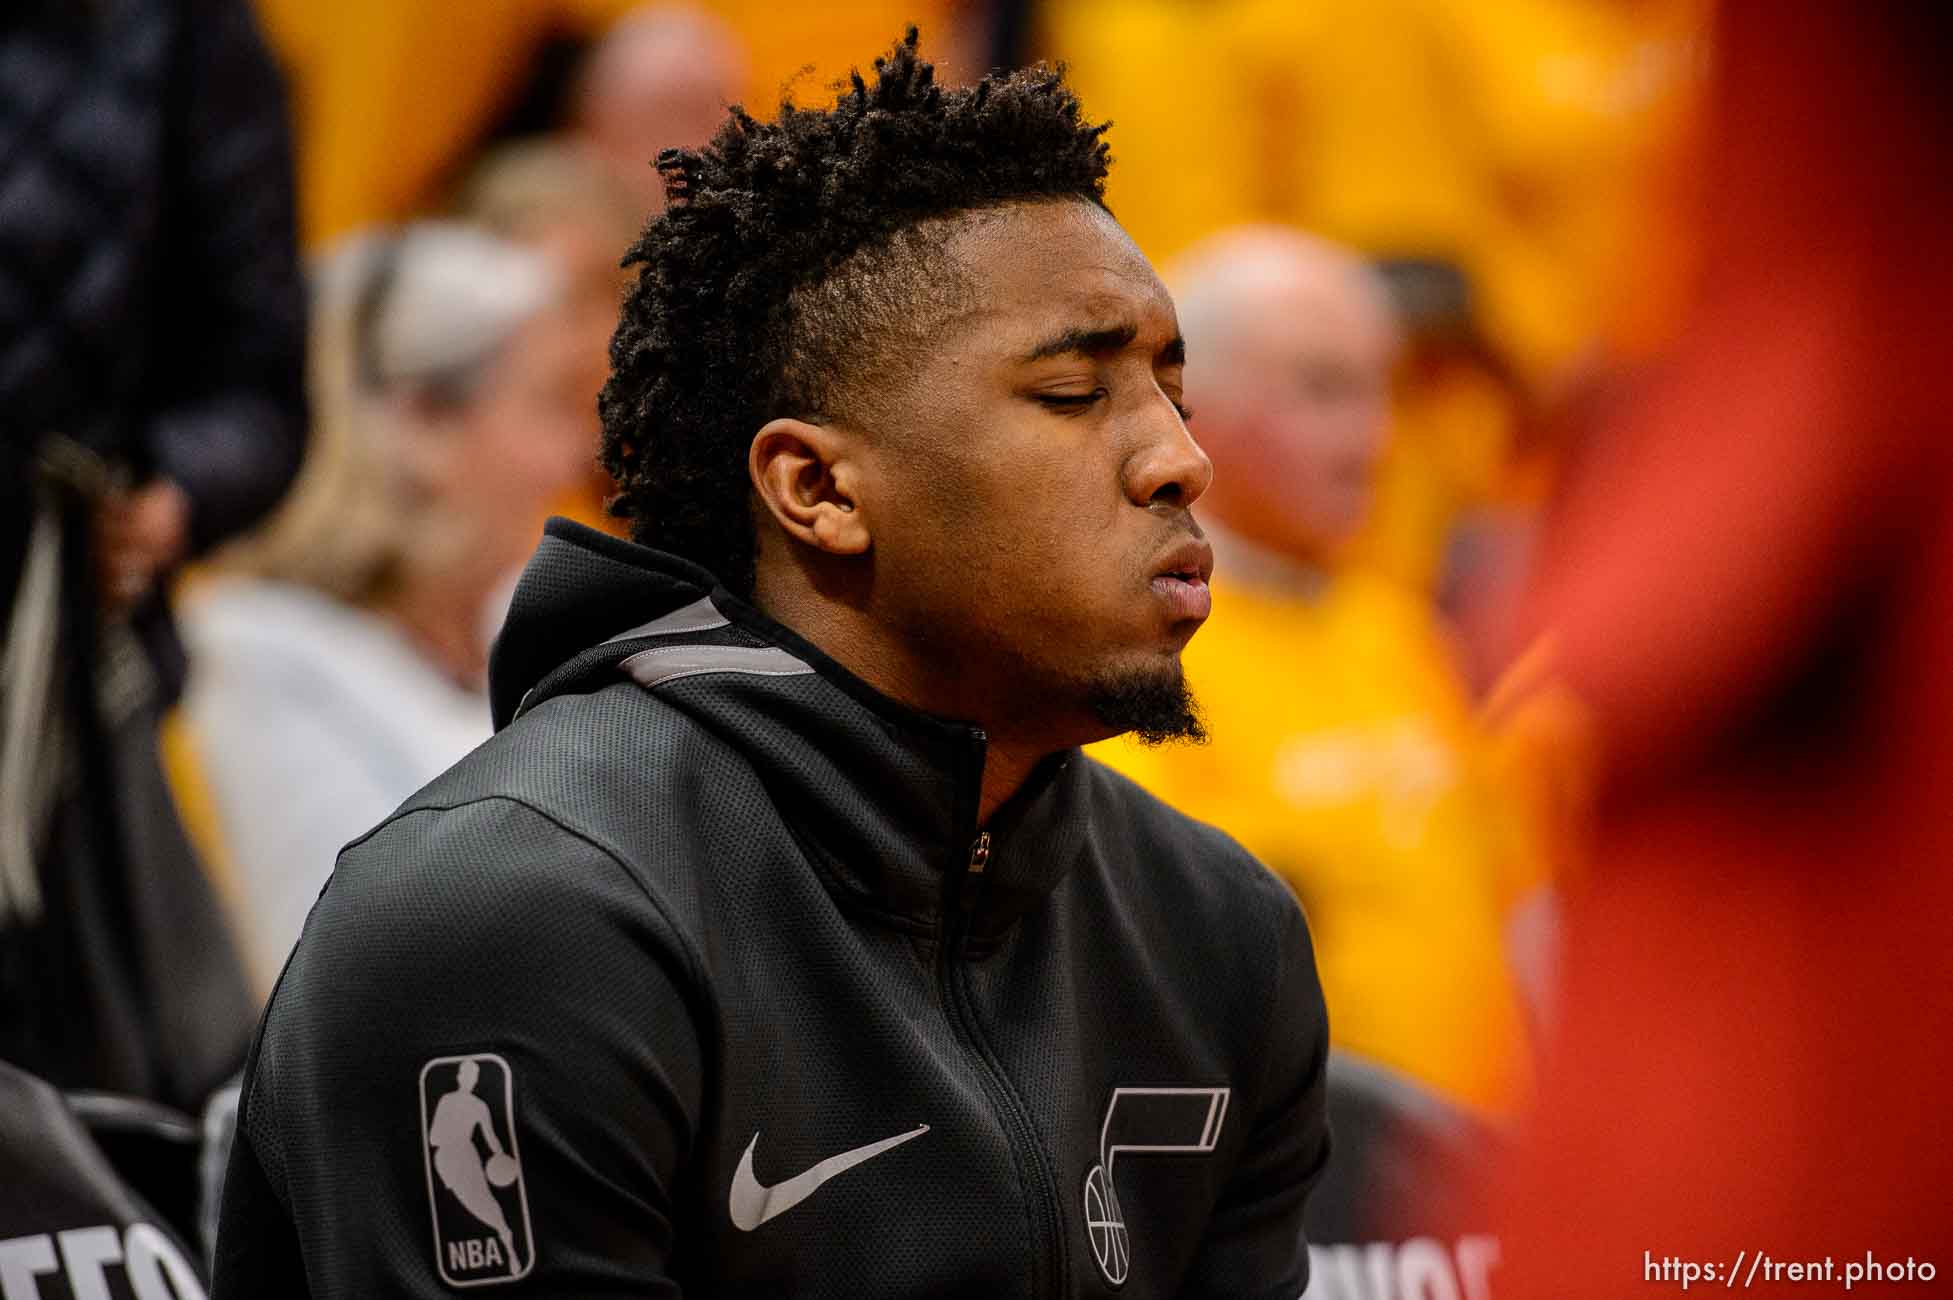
[(227, 411), (1254, 1246), (482, 932)]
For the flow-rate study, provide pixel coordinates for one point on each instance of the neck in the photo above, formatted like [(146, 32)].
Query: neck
[(1007, 764), (443, 620), (913, 675)]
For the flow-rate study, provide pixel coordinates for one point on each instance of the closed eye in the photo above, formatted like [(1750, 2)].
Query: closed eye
[(1069, 401), (1080, 401)]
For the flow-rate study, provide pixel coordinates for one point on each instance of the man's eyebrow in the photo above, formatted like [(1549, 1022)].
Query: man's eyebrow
[(1086, 342), (1103, 341)]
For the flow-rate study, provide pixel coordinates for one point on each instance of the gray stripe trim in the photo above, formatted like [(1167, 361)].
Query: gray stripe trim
[(653, 667), (699, 616)]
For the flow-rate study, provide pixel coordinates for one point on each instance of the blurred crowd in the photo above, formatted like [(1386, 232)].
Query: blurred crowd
[(1544, 511)]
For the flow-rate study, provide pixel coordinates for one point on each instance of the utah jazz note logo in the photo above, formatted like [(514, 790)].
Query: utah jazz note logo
[(1144, 1122), (474, 1171)]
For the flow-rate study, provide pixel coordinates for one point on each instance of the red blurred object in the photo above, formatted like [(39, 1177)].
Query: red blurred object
[(1751, 580)]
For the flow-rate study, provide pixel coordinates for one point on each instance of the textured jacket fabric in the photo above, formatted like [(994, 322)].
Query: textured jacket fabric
[(701, 979), (150, 305), (150, 322)]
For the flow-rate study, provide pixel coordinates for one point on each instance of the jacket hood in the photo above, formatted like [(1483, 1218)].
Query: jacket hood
[(884, 794), (579, 589)]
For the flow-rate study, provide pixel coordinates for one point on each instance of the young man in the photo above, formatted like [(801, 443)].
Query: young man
[(791, 944)]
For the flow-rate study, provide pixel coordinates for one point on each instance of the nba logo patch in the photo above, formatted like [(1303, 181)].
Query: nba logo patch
[(475, 1189)]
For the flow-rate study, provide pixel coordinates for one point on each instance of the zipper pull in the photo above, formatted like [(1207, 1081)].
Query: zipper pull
[(980, 853)]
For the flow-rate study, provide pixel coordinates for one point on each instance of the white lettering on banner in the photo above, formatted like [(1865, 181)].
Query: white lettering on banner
[(22, 1259), (155, 1268), (150, 1256), (1478, 1255), (1422, 1268), (85, 1252)]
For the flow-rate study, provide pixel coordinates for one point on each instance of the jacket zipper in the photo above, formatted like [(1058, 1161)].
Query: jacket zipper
[(1047, 1256)]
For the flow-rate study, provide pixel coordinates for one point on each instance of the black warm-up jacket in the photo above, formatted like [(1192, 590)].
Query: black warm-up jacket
[(701, 978)]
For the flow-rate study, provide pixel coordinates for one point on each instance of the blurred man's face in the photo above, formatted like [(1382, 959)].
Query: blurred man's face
[(1293, 395), (586, 253), (658, 82), (1031, 482)]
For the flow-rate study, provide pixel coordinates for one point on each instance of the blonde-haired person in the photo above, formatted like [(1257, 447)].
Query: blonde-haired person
[(340, 652), (553, 194)]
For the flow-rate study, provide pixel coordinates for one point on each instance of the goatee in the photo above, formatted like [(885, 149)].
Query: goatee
[(1158, 708)]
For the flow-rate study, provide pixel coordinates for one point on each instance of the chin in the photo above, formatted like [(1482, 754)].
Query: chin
[(1149, 700)]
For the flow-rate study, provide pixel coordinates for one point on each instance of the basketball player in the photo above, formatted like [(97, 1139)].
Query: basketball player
[(821, 961), (457, 1118)]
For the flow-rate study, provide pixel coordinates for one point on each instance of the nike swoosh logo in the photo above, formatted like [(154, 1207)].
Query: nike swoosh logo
[(753, 1204)]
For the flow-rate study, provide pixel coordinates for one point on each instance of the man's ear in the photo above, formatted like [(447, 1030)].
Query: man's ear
[(807, 478)]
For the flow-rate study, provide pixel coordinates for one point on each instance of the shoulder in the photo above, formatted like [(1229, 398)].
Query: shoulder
[(1213, 930), (591, 762), (290, 678), (224, 611), (1143, 814), (1189, 869), (484, 929), (489, 874), (550, 819), (249, 631), (480, 922)]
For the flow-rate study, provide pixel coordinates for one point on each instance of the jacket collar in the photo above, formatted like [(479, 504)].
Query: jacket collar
[(882, 797)]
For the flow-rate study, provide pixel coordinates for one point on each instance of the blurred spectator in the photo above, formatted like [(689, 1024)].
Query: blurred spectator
[(660, 79), (340, 664), (553, 196), (1749, 586), (1457, 460), (392, 96), (395, 97), (1344, 753), (1509, 140), (150, 336)]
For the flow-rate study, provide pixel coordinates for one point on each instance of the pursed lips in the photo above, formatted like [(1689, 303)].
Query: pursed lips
[(1181, 580)]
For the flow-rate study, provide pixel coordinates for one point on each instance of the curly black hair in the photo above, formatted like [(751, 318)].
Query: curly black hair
[(794, 260)]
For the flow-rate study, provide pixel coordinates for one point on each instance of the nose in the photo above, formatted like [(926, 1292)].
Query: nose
[(1170, 469)]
